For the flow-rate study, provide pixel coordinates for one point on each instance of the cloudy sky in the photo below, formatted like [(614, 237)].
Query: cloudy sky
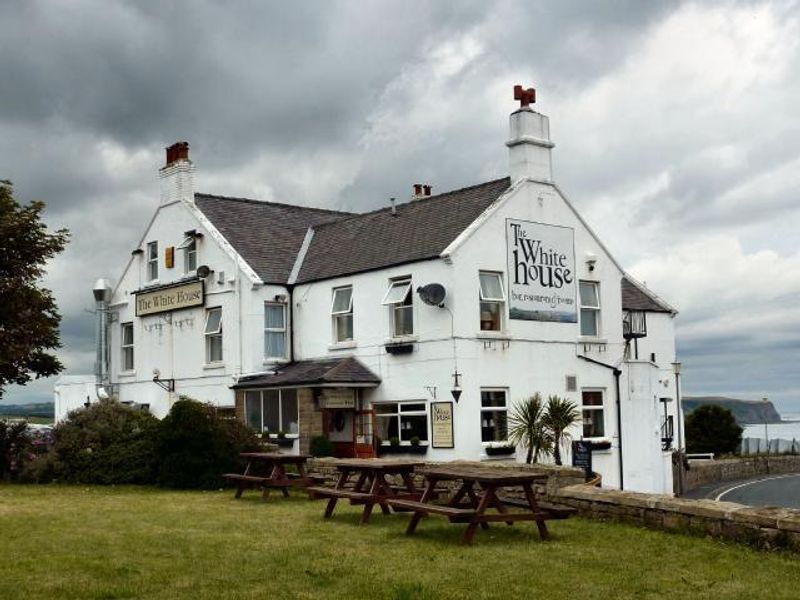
[(676, 129)]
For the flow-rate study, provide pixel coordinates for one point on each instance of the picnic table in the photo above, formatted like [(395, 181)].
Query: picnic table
[(267, 470), (477, 493), (371, 486)]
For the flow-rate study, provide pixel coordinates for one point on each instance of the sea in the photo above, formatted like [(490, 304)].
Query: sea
[(788, 430)]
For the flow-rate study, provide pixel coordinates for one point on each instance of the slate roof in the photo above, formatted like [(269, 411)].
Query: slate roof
[(267, 235), (421, 229), (337, 371), (638, 297)]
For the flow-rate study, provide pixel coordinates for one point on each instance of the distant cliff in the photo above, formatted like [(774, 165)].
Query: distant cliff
[(747, 412)]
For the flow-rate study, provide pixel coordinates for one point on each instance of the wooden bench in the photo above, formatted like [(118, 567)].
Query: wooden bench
[(328, 492), (557, 511), (455, 514)]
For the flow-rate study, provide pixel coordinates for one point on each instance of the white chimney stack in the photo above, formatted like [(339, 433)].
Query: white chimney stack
[(177, 176), (529, 145)]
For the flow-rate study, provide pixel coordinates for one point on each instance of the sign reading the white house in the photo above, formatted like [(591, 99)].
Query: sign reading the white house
[(442, 424), (176, 297), (541, 272)]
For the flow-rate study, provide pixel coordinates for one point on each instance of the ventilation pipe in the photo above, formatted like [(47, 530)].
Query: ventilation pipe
[(102, 296)]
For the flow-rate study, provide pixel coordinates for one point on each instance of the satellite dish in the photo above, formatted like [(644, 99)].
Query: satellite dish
[(432, 294), (203, 271)]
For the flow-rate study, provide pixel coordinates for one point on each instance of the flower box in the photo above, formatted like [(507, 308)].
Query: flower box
[(389, 449), (499, 450)]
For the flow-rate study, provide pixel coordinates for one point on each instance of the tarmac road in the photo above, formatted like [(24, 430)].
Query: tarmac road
[(770, 490)]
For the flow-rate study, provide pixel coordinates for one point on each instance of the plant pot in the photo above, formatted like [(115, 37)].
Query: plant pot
[(384, 450), (504, 451)]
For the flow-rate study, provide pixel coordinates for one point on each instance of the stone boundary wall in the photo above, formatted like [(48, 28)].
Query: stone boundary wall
[(558, 477), (762, 527), (712, 471)]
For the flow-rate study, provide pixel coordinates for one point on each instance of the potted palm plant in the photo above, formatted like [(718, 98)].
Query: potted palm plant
[(527, 428), (560, 414)]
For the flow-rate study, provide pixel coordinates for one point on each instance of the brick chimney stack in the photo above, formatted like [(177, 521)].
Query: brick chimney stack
[(529, 144), (421, 190), (177, 175)]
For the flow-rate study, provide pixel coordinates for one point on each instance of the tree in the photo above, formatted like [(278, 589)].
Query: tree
[(712, 428), (29, 319), (559, 416), (528, 429)]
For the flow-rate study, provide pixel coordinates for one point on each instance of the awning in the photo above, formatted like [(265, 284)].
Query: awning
[(328, 372)]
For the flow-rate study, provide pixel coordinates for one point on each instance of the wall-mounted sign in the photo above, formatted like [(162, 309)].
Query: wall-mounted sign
[(582, 456), (338, 398), (541, 272), (442, 425), (175, 297)]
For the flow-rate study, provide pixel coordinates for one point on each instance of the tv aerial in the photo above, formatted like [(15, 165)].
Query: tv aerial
[(432, 294)]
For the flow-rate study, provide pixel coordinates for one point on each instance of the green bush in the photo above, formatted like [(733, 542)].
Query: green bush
[(320, 446), (196, 446), (106, 442), (712, 428), (14, 444)]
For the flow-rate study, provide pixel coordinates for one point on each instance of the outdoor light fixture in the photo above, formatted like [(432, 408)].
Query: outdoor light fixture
[(456, 391)]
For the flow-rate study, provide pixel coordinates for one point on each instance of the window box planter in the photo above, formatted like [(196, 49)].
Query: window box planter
[(604, 445), (499, 450), (388, 450), (399, 347), (282, 442)]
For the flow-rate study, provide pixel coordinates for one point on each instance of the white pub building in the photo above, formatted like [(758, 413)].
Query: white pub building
[(413, 329)]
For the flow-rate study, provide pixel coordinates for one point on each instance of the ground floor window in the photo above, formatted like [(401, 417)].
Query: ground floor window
[(592, 414), (494, 411), (272, 411), (401, 420)]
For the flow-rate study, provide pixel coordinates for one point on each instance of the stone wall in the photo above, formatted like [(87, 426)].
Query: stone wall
[(712, 471), (763, 527), (310, 418)]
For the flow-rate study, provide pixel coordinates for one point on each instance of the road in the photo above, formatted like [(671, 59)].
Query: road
[(769, 490)]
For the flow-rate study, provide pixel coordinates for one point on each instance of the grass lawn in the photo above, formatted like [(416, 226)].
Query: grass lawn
[(104, 542)]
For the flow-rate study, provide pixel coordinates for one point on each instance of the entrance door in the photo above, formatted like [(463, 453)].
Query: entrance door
[(341, 431)]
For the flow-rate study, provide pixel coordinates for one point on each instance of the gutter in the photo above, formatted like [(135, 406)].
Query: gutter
[(617, 374)]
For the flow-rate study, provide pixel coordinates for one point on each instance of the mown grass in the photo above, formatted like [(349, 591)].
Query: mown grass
[(125, 542)]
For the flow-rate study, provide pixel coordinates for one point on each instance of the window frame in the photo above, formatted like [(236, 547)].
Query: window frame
[(595, 310), (127, 349), (262, 410), (273, 330), (485, 409), (601, 408), (498, 302), (152, 260), (189, 247), (216, 334), (406, 303), (337, 316), (399, 414)]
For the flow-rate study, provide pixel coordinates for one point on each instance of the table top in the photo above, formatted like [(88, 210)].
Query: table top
[(376, 464), (481, 475), (275, 457)]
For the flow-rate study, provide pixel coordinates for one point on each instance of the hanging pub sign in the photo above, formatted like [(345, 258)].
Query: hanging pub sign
[(442, 425), (541, 272), (175, 297)]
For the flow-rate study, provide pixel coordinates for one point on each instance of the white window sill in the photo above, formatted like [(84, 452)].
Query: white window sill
[(275, 361), (402, 339), (590, 339), (493, 335), (126, 374), (405, 445), (214, 365), (343, 345), (152, 282)]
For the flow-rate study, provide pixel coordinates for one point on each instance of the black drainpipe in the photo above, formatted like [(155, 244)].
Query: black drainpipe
[(617, 373)]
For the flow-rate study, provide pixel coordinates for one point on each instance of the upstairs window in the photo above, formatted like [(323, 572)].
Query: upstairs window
[(492, 301), (274, 330), (152, 261), (400, 300), (342, 314), (494, 416), (213, 333), (592, 414), (590, 308), (127, 346), (189, 247)]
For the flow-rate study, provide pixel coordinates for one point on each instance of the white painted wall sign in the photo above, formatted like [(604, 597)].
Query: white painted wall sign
[(541, 272)]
